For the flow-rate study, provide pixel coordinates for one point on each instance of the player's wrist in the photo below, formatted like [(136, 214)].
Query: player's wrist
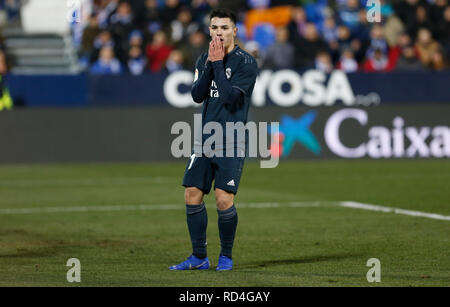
[(217, 62)]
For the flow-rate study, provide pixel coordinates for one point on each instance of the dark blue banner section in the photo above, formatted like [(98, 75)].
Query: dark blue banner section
[(127, 90), (404, 87), (284, 88), (48, 90)]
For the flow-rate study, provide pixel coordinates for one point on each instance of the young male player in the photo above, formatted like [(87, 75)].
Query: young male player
[(224, 80)]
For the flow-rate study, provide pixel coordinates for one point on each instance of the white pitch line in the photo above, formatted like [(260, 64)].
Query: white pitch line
[(256, 205), (88, 208), (355, 205), (82, 181), (148, 207)]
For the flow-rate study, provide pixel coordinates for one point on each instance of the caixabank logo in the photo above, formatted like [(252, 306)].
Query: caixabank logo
[(368, 139), (295, 130)]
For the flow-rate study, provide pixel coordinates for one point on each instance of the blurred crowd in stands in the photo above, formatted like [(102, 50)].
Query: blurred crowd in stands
[(138, 36), (9, 13), (168, 35)]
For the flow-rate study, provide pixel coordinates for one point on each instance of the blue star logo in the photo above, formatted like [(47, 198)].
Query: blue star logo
[(293, 130)]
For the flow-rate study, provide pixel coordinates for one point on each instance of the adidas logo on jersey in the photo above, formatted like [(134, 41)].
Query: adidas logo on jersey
[(231, 182)]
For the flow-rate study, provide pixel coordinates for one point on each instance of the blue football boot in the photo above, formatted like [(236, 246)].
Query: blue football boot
[(192, 263), (225, 264)]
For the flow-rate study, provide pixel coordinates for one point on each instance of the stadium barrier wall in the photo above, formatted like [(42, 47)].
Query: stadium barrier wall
[(144, 133), (285, 88)]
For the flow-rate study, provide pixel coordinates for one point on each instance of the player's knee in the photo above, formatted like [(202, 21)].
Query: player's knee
[(193, 196), (224, 201)]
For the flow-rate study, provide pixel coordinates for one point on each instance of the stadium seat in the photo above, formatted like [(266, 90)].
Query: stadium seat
[(315, 12), (264, 34), (277, 16), (242, 32)]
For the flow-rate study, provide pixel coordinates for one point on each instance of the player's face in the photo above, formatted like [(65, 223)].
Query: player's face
[(223, 28)]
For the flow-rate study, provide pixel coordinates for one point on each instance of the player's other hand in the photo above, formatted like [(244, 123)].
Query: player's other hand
[(216, 50)]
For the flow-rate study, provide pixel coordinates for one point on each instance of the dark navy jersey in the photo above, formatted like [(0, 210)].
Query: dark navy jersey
[(240, 70)]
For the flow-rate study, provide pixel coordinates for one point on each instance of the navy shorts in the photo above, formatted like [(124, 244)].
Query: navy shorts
[(225, 171)]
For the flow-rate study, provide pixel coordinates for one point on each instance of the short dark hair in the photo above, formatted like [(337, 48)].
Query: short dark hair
[(223, 13)]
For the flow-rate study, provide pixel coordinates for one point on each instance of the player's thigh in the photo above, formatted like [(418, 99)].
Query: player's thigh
[(199, 173), (228, 173)]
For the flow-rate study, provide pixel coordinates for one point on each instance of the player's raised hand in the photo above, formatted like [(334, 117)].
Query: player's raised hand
[(210, 49), (216, 50)]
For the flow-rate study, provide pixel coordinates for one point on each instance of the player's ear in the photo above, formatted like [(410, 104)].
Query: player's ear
[(210, 32)]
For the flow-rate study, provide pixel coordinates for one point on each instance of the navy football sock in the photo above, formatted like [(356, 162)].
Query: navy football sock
[(227, 222), (197, 221)]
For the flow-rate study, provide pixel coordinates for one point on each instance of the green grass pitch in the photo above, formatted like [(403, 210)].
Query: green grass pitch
[(311, 245)]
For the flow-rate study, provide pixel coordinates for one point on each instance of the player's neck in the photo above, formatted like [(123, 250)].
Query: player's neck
[(231, 48)]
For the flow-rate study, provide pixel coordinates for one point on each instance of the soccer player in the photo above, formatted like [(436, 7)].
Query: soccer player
[(224, 80)]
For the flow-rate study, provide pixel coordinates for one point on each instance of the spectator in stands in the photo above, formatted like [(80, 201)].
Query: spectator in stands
[(3, 63), (183, 26), (323, 62), (404, 40), (136, 61), (407, 12), (426, 46), (158, 51), (345, 32), (343, 42), (443, 30), (121, 24), (392, 28), (347, 62), (438, 60), (344, 38), (378, 61), (307, 48), (103, 9), (408, 60), (104, 39), (436, 11), (234, 5), (280, 55), (349, 14), (361, 31), (201, 9), (386, 9), (174, 61), (377, 41), (298, 23), (258, 4), (12, 8), (421, 21), (196, 46), (90, 33), (136, 39), (149, 19), (329, 30), (107, 63), (359, 49), (170, 12)]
